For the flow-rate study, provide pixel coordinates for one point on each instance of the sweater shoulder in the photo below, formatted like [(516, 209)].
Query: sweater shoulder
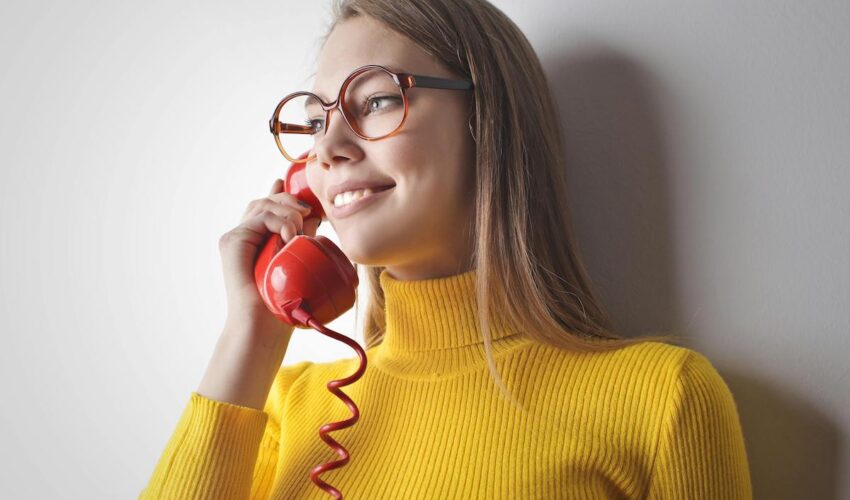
[(642, 380), (649, 360), (633, 395), (294, 384), (285, 379)]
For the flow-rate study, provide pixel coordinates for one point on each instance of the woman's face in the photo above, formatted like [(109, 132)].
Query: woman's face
[(420, 228)]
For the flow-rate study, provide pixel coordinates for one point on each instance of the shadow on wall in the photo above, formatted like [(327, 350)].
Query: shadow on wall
[(619, 172), (792, 448)]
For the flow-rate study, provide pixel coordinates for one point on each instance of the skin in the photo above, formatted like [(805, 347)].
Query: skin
[(421, 229)]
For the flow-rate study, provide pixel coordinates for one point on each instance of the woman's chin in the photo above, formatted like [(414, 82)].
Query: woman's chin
[(359, 249)]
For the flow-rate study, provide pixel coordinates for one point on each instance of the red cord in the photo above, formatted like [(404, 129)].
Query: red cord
[(307, 320)]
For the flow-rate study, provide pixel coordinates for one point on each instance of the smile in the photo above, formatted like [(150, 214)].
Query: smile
[(352, 201)]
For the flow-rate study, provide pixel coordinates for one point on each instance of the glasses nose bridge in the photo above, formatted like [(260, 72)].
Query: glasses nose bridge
[(328, 106), (336, 104)]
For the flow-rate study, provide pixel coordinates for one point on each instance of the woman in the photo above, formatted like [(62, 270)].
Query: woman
[(493, 369)]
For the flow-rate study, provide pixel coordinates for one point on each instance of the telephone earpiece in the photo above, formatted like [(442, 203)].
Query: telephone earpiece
[(308, 272)]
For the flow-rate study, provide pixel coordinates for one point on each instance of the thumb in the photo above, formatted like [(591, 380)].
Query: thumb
[(311, 225)]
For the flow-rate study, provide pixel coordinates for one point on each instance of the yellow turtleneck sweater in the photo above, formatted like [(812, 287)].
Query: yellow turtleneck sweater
[(650, 420)]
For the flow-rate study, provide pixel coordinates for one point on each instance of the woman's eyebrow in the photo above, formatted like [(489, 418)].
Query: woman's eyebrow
[(312, 76)]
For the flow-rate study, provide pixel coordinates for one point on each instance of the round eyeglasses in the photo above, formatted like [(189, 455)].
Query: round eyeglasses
[(372, 100)]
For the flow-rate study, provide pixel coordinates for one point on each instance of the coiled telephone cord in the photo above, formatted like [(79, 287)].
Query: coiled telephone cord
[(307, 320)]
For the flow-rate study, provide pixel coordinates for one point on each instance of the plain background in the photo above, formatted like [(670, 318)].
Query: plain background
[(708, 146)]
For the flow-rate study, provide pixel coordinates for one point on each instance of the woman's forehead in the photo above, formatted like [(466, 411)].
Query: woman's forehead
[(358, 42)]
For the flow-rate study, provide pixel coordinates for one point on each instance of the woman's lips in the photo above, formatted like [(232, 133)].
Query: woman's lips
[(362, 202)]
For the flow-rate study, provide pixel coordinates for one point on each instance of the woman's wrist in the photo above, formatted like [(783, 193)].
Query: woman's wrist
[(245, 361)]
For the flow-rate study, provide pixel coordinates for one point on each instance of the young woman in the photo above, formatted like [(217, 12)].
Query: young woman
[(493, 369)]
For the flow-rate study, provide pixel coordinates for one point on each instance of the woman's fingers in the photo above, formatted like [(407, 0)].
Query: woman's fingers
[(277, 186)]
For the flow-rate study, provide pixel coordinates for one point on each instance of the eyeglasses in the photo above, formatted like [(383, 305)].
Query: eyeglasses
[(373, 102)]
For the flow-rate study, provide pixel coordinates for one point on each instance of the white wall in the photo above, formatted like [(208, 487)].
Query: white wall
[(709, 168)]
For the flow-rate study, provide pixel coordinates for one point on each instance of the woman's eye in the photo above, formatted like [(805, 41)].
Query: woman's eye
[(316, 124), (374, 104)]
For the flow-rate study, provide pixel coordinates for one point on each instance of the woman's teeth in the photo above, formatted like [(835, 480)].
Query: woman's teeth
[(347, 197)]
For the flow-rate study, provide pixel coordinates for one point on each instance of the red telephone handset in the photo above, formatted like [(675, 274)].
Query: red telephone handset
[(306, 283), (307, 272)]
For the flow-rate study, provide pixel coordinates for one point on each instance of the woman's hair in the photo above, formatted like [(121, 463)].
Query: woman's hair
[(524, 240)]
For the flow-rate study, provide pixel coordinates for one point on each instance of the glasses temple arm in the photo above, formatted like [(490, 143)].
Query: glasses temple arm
[(278, 127), (433, 82)]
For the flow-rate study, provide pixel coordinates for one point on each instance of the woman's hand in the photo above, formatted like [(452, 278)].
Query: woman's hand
[(279, 212)]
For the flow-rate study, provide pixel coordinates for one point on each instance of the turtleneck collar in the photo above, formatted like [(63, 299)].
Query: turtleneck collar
[(432, 326)]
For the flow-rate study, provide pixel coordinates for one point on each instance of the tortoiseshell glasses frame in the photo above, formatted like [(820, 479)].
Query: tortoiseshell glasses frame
[(404, 81)]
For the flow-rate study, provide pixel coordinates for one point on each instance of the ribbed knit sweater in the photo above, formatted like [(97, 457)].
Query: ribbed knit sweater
[(650, 420)]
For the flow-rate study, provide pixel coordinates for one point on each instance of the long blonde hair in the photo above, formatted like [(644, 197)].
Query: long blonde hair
[(524, 239)]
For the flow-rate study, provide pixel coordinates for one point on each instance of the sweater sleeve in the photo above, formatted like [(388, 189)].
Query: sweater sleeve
[(222, 450), (701, 453)]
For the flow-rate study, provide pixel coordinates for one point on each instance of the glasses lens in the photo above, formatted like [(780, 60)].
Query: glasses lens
[(374, 103), (302, 118)]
